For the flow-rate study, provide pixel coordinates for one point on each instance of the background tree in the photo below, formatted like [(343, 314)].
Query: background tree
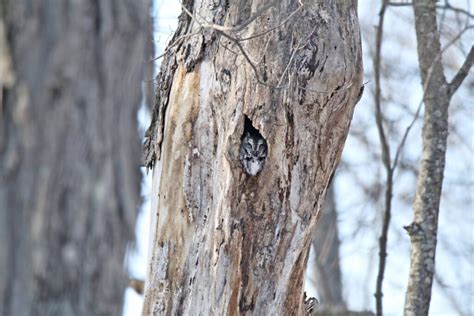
[(359, 187), (437, 94), (326, 272), (70, 74), (226, 242)]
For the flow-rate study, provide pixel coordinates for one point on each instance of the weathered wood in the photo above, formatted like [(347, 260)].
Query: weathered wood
[(69, 153), (225, 242)]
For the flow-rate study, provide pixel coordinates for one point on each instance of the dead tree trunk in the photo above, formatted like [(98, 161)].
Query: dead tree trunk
[(437, 95), (226, 242), (70, 77)]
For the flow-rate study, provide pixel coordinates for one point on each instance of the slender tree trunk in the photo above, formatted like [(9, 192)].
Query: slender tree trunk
[(437, 95), (227, 242), (327, 270), (70, 77)]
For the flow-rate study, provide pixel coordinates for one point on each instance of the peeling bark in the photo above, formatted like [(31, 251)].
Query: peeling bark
[(226, 242)]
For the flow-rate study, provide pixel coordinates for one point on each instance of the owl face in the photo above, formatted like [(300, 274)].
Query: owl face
[(253, 152)]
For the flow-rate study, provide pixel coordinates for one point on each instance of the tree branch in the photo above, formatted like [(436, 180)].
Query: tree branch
[(446, 6), (236, 41), (462, 72), (405, 135), (276, 27), (222, 28), (176, 42), (137, 285), (386, 162)]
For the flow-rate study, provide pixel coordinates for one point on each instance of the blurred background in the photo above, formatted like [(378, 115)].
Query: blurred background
[(71, 78)]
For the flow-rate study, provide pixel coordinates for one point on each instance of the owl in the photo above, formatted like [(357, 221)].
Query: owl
[(253, 152)]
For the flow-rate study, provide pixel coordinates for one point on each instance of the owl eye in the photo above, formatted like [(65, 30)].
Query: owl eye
[(261, 158), (248, 158), (248, 149)]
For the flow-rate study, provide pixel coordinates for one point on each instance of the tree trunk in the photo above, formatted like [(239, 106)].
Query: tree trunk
[(226, 242), (437, 95), (327, 269), (71, 75)]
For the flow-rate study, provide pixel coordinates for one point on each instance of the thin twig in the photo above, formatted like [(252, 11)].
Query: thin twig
[(176, 42), (238, 28), (221, 30), (405, 135), (265, 48), (289, 63), (386, 162), (464, 68), (274, 28), (301, 45), (452, 298), (446, 6), (246, 56), (227, 48)]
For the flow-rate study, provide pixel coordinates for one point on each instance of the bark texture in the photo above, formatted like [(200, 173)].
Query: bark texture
[(437, 95), (225, 242), (71, 74), (327, 270)]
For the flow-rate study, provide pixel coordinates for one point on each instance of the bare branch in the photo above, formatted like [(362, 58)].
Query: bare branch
[(462, 72), (301, 45), (386, 162), (265, 48), (447, 293), (405, 135), (246, 56), (400, 4), (137, 285), (274, 28), (203, 23), (179, 40), (428, 79), (446, 6), (221, 30)]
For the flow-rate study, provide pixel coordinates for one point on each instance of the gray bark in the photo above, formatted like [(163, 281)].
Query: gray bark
[(437, 95), (327, 270), (225, 242), (70, 77)]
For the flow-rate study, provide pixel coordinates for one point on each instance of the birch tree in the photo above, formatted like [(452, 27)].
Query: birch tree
[(226, 242)]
